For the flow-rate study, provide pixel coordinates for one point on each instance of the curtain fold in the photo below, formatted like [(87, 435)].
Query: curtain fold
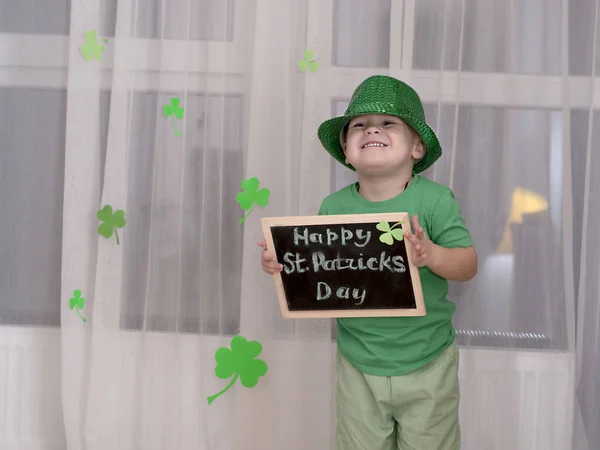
[(281, 155)]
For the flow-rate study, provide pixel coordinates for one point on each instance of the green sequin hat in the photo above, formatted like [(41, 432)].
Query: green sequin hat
[(381, 94)]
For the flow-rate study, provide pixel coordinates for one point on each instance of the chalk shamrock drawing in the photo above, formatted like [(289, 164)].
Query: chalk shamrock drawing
[(251, 195), (111, 221), (390, 233), (308, 62), (92, 48), (239, 362), (174, 110), (77, 302)]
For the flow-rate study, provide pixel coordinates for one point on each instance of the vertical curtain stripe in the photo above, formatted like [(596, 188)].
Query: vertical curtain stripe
[(457, 104)]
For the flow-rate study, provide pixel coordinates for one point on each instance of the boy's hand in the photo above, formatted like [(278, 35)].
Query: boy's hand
[(422, 245), (269, 260)]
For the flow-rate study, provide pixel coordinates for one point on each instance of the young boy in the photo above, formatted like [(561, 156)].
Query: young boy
[(397, 376)]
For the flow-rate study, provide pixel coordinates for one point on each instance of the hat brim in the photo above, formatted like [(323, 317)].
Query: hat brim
[(329, 135)]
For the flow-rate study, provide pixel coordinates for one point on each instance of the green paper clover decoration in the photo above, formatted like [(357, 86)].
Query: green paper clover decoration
[(251, 195), (174, 110), (111, 221), (92, 48), (239, 362), (77, 302), (308, 62), (390, 233)]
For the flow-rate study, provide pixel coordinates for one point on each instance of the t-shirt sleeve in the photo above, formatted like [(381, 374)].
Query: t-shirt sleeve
[(322, 209), (448, 228)]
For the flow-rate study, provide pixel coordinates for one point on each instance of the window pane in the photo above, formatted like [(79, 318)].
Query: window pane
[(210, 20), (32, 168), (184, 238), (31, 196), (50, 17), (437, 31), (582, 30), (35, 16), (361, 33), (506, 37), (514, 157)]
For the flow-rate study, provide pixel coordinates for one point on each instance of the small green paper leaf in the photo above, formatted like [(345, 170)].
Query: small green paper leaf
[(398, 234), (173, 110), (250, 185), (111, 221), (309, 55), (244, 200), (383, 226), (390, 233), (92, 48), (308, 62), (313, 66), (303, 65), (78, 302), (251, 195), (239, 362), (386, 238), (262, 197)]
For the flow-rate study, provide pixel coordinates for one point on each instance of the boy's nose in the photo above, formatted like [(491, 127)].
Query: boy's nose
[(373, 129)]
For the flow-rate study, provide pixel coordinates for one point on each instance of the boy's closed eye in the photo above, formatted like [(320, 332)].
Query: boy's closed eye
[(384, 123)]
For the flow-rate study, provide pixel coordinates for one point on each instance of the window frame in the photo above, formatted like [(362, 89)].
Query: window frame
[(43, 61)]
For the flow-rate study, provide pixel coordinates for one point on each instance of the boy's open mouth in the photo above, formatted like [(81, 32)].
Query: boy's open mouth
[(373, 144)]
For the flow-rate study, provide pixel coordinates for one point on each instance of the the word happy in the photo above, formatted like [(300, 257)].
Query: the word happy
[(360, 238)]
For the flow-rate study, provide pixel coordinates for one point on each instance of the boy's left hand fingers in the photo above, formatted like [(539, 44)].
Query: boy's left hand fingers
[(414, 221), (420, 233), (411, 237)]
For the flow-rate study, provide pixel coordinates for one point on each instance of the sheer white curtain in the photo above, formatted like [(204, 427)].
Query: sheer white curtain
[(511, 89)]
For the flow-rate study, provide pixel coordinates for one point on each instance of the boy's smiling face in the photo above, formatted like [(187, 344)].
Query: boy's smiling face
[(381, 144)]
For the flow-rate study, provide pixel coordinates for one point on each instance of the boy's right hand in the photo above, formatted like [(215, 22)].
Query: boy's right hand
[(269, 260)]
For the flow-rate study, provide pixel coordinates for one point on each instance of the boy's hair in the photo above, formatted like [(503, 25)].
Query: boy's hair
[(345, 131)]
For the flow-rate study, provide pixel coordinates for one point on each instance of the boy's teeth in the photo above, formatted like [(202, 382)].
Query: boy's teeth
[(374, 145)]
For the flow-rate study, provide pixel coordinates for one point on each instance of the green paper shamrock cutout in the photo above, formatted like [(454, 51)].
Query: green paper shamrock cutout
[(92, 48), (239, 362), (251, 195), (77, 301), (111, 221), (174, 110), (308, 62), (390, 233)]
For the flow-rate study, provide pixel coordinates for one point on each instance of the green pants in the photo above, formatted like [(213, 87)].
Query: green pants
[(416, 411)]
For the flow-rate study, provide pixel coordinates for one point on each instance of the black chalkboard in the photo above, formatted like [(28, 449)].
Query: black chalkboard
[(340, 266)]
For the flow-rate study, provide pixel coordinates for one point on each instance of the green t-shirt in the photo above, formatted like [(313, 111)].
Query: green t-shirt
[(391, 346)]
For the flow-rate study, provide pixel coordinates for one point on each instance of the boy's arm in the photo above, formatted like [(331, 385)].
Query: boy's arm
[(458, 264), (448, 251)]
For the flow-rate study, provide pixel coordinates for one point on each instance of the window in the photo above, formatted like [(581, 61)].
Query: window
[(34, 61), (184, 239), (507, 98)]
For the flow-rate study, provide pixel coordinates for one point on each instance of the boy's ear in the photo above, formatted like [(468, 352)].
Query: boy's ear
[(419, 150)]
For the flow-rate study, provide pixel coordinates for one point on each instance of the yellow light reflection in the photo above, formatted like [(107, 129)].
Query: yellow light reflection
[(523, 202)]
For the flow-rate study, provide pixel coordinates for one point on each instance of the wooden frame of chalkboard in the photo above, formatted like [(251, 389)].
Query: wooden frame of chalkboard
[(351, 265)]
